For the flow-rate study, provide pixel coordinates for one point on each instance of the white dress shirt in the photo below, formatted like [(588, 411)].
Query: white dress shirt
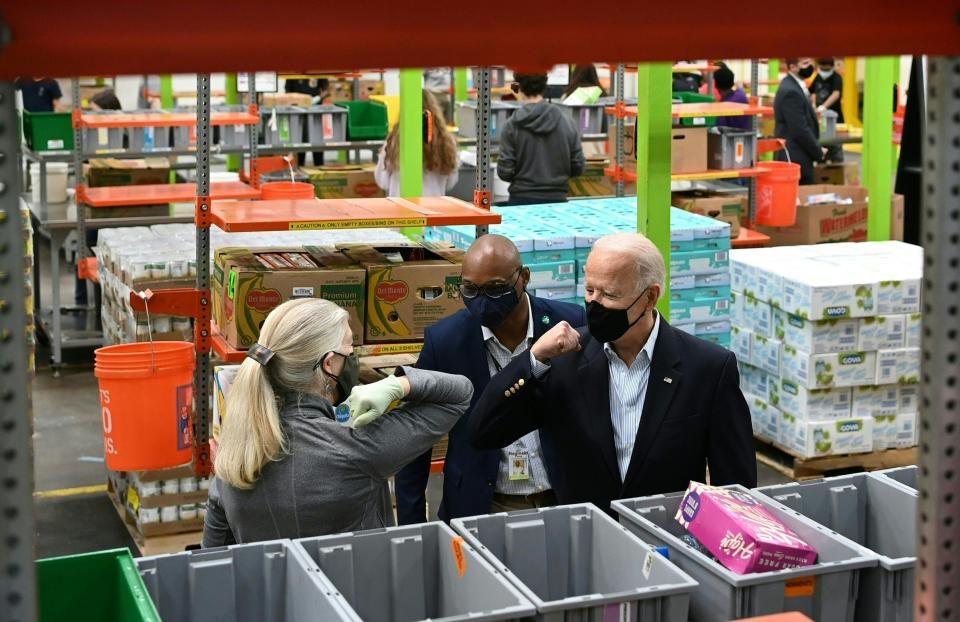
[(802, 84), (498, 357)]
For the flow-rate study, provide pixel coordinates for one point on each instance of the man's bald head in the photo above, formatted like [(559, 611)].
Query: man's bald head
[(492, 258)]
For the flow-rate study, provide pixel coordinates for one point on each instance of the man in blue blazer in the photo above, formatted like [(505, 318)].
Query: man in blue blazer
[(500, 322)]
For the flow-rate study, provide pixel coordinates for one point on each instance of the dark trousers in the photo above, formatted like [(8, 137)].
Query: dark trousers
[(317, 158), (532, 201)]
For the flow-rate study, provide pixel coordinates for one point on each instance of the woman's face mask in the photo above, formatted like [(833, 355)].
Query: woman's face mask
[(348, 377)]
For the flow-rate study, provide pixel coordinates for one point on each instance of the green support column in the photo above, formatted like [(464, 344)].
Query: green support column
[(411, 138), (654, 124), (877, 140), (460, 93), (232, 97), (166, 92), (773, 73)]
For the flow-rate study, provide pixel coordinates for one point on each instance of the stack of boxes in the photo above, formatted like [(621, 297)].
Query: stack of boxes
[(30, 336), (554, 241), (828, 340), (161, 502)]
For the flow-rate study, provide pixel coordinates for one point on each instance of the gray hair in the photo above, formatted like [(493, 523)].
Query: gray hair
[(648, 261)]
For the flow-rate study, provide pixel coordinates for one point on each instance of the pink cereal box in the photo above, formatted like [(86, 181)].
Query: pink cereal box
[(742, 534)]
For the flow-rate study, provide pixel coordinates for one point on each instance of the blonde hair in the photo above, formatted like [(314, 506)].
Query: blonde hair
[(440, 156), (300, 333), (648, 261)]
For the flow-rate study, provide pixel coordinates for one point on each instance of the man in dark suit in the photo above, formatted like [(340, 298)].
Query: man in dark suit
[(631, 405), (500, 322), (796, 120)]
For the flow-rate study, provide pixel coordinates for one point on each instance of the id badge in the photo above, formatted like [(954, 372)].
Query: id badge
[(519, 465)]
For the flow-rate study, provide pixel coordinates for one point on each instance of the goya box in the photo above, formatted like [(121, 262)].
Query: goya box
[(249, 283), (409, 288)]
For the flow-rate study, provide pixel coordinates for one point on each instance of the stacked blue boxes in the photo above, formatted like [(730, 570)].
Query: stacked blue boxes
[(555, 239)]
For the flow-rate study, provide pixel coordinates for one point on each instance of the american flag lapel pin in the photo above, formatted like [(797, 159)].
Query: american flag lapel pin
[(668, 380)]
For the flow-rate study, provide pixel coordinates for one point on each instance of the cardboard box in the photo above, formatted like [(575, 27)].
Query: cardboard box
[(753, 379), (821, 371), (272, 100), (700, 310), (699, 262), (833, 222), (814, 404), (688, 150), (765, 354), (764, 417), (912, 335), (409, 288), (900, 366), (816, 337), (827, 438), (344, 181), (593, 182), (728, 208), (837, 174), (117, 172), (249, 283), (741, 342), (875, 401), (882, 332), (757, 316), (818, 290), (223, 377)]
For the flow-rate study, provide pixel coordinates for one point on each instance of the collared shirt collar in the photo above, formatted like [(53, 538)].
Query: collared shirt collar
[(648, 347), (802, 84), (488, 334)]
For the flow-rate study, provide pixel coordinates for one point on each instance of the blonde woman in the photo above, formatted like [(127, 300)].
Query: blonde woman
[(441, 160), (285, 467)]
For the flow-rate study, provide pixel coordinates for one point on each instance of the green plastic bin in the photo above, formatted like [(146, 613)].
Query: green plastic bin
[(696, 98), (100, 587), (367, 120), (48, 131)]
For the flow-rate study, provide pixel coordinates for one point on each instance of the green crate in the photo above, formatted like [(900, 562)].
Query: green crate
[(48, 131), (367, 120), (696, 98), (104, 587)]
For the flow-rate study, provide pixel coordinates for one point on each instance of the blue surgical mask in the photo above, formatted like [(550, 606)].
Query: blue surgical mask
[(492, 311), (826, 74)]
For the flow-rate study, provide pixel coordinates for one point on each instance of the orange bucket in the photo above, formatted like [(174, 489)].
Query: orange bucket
[(287, 190), (146, 404), (777, 193)]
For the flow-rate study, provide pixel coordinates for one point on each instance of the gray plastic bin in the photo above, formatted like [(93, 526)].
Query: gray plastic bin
[(876, 513), (234, 135), (326, 124), (148, 138), (575, 562), (587, 117), (726, 595), (262, 582), (467, 117), (730, 148), (404, 574), (906, 476), (283, 125), (103, 138), (183, 136)]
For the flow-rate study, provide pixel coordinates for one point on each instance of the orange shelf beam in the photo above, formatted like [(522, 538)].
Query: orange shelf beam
[(121, 196), (676, 68), (436, 466), (749, 238), (172, 119), (226, 352), (709, 109), (229, 354), (316, 214), (713, 174)]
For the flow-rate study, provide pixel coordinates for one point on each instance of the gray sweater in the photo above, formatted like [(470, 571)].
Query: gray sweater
[(333, 478), (540, 151)]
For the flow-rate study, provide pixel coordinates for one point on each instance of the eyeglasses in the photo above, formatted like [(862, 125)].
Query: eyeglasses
[(491, 290)]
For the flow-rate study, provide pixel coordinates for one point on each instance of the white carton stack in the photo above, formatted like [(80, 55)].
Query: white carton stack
[(828, 340)]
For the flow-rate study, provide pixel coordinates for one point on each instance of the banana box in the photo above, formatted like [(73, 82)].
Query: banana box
[(409, 288), (250, 283)]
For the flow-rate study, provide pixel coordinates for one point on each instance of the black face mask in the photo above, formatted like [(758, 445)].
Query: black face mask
[(349, 376), (805, 72), (608, 325)]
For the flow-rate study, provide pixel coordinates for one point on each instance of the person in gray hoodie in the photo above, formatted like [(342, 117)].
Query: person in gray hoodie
[(539, 146)]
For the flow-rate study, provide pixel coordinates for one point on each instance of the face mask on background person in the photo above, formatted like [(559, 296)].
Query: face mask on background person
[(491, 304), (608, 325), (826, 73), (348, 377), (805, 72)]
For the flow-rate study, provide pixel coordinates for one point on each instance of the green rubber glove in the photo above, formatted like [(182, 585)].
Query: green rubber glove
[(367, 402)]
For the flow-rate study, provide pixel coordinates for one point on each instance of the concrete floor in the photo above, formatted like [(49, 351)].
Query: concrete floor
[(68, 455)]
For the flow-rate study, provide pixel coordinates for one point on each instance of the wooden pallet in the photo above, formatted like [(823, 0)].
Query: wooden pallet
[(152, 545), (798, 468)]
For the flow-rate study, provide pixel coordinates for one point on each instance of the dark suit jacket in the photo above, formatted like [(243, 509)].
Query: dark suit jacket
[(693, 415), (796, 121), (455, 345)]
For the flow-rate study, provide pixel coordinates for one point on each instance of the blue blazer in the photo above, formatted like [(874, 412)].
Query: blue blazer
[(455, 345)]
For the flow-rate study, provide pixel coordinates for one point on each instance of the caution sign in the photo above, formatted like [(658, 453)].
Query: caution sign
[(365, 223)]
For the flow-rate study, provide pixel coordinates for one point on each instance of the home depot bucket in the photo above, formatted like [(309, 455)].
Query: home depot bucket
[(777, 193), (146, 404), (286, 190)]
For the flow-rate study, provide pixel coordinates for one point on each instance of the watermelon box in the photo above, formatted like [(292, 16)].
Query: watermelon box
[(409, 288), (740, 532)]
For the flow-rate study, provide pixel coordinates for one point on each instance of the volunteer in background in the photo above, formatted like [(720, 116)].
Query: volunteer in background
[(583, 75), (285, 468), (539, 146), (796, 120), (439, 82), (632, 406), (319, 91), (499, 323), (827, 91), (723, 80), (105, 100), (41, 95), (441, 160)]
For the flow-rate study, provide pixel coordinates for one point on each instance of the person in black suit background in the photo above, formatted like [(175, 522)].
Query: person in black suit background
[(500, 322), (796, 120), (631, 405)]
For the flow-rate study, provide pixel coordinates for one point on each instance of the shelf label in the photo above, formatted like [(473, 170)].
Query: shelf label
[(364, 223), (800, 586), (457, 545)]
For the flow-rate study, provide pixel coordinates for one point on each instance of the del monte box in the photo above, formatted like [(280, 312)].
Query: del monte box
[(249, 283), (409, 287)]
